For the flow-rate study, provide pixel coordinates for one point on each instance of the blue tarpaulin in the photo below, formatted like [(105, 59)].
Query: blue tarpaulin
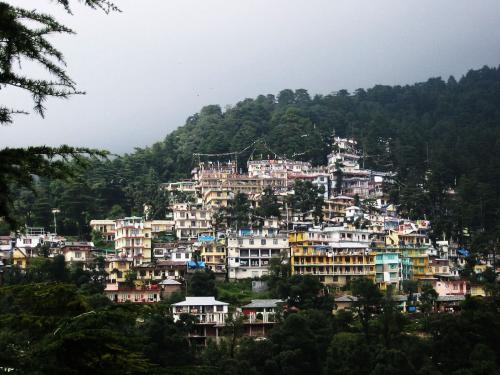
[(193, 265), (205, 238), (463, 252)]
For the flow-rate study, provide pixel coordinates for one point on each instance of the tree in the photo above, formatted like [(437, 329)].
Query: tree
[(308, 197), (239, 210), (428, 297), (164, 343), (368, 301), (269, 206), (23, 37), (202, 284)]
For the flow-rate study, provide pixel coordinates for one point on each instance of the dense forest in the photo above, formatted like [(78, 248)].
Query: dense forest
[(442, 138)]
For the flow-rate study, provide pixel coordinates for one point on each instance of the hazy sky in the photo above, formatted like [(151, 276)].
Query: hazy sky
[(147, 69)]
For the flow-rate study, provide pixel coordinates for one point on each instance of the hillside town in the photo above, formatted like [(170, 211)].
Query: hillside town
[(357, 233)]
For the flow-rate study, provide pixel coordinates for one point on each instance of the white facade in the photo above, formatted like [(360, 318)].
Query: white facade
[(207, 310), (133, 239), (191, 221), (249, 255), (276, 167)]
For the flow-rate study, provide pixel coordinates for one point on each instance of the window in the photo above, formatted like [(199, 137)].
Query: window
[(177, 255), (220, 308), (263, 241), (251, 241), (78, 254), (275, 241)]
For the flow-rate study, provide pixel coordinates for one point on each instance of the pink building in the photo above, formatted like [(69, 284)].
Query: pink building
[(450, 287)]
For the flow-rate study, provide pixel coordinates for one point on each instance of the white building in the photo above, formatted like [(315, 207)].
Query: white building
[(207, 310), (191, 221), (276, 167), (133, 239), (249, 253)]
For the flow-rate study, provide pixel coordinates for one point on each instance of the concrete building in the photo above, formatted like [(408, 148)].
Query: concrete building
[(107, 228), (388, 270), (133, 239), (214, 254), (77, 252), (260, 315), (117, 268), (191, 221), (141, 295), (211, 316), (249, 253)]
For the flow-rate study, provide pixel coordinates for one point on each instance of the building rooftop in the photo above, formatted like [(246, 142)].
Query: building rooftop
[(451, 298), (346, 298), (200, 301), (169, 282), (263, 303)]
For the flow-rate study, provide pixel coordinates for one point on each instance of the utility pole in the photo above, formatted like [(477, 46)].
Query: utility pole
[(54, 212)]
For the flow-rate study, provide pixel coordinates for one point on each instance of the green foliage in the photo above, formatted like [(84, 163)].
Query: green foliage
[(269, 206), (238, 293), (308, 198), (202, 284), (239, 211)]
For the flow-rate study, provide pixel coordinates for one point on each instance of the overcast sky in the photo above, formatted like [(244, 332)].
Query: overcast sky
[(147, 69)]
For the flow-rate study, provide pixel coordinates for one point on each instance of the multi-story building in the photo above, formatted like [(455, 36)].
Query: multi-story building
[(117, 268), (210, 314), (260, 315), (213, 253), (107, 228), (333, 265), (141, 295), (418, 260), (31, 239), (77, 252), (6, 246), (388, 270), (217, 198), (133, 239), (335, 254), (335, 208), (249, 252), (319, 179), (276, 167), (191, 220)]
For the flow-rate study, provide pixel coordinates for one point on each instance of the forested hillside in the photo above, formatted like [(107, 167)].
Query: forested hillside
[(437, 135)]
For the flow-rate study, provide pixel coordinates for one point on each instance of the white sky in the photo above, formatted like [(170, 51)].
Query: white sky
[(147, 69)]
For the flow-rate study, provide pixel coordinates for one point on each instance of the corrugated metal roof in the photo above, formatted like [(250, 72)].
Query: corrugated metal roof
[(200, 301), (263, 303)]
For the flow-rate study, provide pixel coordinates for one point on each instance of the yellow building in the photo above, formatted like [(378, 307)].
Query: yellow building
[(133, 239), (418, 259), (117, 268), (106, 227), (334, 263), (214, 254), (20, 258), (216, 197)]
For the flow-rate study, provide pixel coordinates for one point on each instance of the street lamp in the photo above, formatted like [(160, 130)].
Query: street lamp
[(54, 212)]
